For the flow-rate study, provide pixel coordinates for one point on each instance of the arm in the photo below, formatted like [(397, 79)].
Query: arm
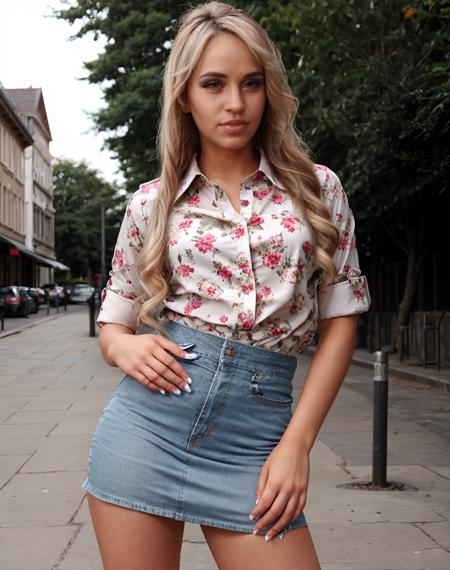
[(325, 375)]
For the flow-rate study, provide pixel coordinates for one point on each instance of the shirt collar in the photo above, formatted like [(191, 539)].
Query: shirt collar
[(194, 170)]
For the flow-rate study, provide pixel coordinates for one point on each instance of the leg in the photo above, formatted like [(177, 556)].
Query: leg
[(236, 550), (135, 540)]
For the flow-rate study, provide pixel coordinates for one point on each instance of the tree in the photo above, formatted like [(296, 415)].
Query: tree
[(78, 191)]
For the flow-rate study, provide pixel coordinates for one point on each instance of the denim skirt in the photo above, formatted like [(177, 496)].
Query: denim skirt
[(196, 456)]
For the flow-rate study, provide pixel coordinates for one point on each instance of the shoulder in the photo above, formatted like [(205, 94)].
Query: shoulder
[(140, 201), (330, 184)]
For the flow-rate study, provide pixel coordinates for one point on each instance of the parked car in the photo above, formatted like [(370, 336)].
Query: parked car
[(31, 292), (81, 292), (54, 293), (15, 301)]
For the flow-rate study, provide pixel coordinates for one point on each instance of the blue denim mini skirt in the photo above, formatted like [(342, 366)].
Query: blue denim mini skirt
[(196, 456)]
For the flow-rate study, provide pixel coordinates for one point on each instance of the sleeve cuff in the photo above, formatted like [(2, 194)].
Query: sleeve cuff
[(346, 298), (119, 310)]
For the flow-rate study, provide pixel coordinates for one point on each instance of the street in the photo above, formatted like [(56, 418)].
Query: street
[(52, 392)]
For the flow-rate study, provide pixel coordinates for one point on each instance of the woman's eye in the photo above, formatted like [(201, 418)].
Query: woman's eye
[(212, 84), (253, 84)]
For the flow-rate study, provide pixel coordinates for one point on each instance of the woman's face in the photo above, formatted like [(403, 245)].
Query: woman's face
[(226, 85)]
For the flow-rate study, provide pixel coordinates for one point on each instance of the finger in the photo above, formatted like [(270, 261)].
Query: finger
[(142, 379), (169, 368), (154, 377), (286, 516), (273, 512), (165, 354)]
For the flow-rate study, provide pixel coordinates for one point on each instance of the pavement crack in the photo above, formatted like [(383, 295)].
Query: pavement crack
[(78, 527)]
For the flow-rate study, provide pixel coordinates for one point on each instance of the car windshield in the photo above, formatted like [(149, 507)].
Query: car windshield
[(6, 291), (82, 286)]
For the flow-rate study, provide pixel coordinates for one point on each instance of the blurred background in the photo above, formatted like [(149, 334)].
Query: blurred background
[(80, 83)]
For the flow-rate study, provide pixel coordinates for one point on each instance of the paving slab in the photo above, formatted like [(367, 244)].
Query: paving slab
[(34, 548)]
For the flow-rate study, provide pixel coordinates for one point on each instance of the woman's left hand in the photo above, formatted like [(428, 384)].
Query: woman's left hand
[(282, 487)]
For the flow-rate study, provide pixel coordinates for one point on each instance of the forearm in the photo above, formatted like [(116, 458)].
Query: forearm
[(324, 378), (109, 333)]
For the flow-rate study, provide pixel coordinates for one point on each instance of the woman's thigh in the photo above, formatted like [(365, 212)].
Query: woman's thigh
[(135, 540), (236, 550)]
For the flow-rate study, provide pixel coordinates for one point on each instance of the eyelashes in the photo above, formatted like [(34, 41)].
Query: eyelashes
[(214, 84)]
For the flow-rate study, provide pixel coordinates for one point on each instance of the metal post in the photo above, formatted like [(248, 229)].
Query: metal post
[(92, 314), (380, 416), (103, 254)]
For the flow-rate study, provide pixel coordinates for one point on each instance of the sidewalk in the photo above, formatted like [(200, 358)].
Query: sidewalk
[(49, 404)]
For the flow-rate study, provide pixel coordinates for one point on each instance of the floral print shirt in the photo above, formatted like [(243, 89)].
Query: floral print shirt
[(247, 276)]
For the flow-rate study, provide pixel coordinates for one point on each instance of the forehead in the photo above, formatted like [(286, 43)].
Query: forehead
[(227, 53)]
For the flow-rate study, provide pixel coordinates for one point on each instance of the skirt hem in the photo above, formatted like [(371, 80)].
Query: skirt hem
[(180, 516)]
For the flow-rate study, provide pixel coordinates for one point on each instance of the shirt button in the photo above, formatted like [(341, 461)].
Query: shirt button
[(230, 351)]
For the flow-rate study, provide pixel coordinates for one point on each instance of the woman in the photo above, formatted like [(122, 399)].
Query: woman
[(226, 265)]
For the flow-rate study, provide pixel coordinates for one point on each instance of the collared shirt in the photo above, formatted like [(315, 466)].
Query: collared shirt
[(247, 276)]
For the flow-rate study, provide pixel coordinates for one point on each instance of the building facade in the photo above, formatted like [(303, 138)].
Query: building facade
[(27, 215)]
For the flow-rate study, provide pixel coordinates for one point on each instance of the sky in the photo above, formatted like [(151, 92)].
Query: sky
[(35, 50)]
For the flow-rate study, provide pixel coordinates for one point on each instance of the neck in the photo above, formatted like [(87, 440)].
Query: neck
[(228, 164)]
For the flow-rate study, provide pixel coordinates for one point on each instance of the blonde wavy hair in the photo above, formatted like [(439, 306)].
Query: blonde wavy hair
[(178, 141)]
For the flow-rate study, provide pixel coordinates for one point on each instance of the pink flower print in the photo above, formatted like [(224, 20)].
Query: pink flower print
[(196, 303), (117, 262), (271, 259), (346, 268), (277, 198), (225, 273), (258, 176), (184, 270), (293, 309), (259, 296), (185, 224), (289, 222), (133, 231), (129, 282), (247, 288), (306, 246), (247, 322), (239, 232), (244, 266), (188, 309), (205, 243), (339, 217), (266, 291), (214, 204), (276, 330), (143, 202), (194, 200), (103, 295), (256, 221), (261, 194), (359, 294), (147, 186), (345, 242), (223, 318), (211, 291), (244, 203), (172, 241)]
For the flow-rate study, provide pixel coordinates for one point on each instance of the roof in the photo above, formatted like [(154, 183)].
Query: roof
[(13, 118), (29, 102)]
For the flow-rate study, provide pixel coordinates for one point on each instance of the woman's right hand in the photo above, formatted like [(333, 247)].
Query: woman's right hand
[(149, 359)]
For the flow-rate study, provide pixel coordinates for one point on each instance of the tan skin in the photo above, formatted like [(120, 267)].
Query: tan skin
[(140, 541)]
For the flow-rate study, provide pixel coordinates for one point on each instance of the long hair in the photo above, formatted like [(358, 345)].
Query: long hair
[(178, 141)]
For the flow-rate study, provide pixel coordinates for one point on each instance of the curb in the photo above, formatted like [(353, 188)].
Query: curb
[(433, 381), (17, 330)]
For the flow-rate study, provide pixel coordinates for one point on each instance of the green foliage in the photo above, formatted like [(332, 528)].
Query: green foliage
[(78, 192)]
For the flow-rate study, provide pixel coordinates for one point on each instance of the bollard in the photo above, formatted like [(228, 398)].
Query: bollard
[(57, 304), (380, 413), (92, 314)]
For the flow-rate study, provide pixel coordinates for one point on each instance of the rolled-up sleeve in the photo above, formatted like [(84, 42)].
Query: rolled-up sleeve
[(118, 298), (349, 294)]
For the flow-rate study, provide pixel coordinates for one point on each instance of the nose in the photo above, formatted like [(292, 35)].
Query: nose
[(234, 100)]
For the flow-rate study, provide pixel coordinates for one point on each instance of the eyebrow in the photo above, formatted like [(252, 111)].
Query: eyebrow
[(216, 74)]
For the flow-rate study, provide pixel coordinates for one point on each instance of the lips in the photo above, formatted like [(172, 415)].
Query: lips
[(235, 123)]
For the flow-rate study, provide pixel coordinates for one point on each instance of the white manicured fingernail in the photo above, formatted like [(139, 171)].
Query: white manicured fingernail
[(177, 391), (189, 380), (186, 388), (162, 391)]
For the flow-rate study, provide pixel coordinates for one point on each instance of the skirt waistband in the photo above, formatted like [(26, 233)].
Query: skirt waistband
[(232, 351)]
